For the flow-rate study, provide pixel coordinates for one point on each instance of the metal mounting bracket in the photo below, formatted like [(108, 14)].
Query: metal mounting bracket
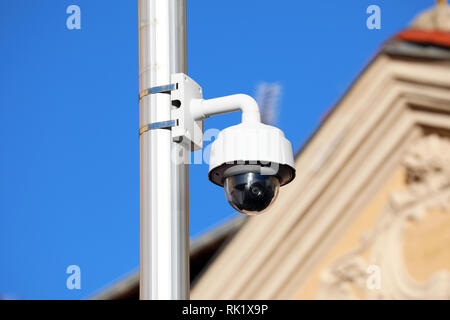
[(158, 125), (184, 91), (159, 89)]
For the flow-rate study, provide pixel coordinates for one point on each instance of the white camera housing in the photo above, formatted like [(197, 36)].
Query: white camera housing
[(250, 160), (258, 146)]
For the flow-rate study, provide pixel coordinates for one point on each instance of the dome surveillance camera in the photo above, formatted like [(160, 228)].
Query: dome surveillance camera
[(251, 161)]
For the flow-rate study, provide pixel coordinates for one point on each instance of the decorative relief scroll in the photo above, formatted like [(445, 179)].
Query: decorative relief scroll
[(427, 163)]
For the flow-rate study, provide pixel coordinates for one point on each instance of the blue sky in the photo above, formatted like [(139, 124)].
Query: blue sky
[(69, 151)]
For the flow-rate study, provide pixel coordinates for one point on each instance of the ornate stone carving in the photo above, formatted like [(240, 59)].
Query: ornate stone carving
[(427, 163)]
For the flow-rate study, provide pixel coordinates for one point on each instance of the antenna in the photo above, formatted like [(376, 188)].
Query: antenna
[(268, 97)]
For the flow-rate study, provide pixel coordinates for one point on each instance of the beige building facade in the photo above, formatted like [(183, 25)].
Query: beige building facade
[(368, 215)]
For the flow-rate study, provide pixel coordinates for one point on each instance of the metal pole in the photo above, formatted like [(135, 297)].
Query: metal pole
[(164, 252)]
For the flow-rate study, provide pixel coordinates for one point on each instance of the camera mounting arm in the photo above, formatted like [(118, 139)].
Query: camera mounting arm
[(202, 109), (190, 109)]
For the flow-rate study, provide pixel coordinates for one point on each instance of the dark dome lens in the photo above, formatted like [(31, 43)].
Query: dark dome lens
[(251, 193)]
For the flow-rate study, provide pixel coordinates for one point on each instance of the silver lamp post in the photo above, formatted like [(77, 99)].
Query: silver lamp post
[(164, 208)]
